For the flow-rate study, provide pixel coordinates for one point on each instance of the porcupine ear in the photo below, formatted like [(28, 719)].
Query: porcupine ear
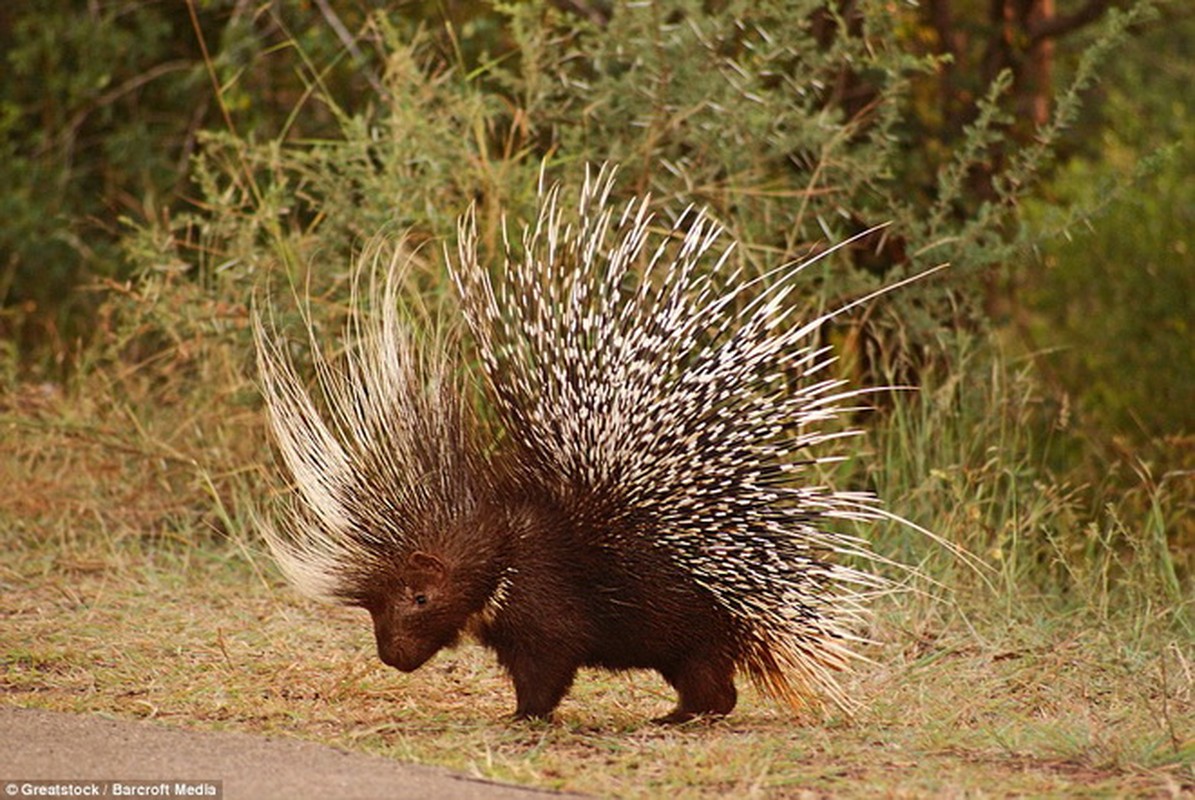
[(427, 566)]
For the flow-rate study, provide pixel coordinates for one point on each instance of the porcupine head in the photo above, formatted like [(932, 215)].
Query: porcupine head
[(387, 509)]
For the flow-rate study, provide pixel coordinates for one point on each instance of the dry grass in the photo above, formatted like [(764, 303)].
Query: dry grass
[(198, 640), (118, 599)]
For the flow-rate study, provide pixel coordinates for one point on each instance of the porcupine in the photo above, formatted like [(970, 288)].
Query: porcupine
[(638, 504)]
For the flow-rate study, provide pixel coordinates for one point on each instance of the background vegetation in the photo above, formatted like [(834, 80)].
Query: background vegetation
[(164, 164)]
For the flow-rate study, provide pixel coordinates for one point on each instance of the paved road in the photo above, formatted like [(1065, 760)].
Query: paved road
[(45, 745)]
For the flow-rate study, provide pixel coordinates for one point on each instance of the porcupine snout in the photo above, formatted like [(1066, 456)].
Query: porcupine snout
[(397, 649)]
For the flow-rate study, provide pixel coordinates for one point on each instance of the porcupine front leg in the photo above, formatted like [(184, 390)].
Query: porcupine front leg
[(540, 684), (705, 688)]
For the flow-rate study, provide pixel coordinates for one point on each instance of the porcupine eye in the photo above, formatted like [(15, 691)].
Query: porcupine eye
[(424, 579)]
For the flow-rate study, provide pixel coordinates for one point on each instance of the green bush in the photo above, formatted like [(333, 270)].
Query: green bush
[(1115, 298), (102, 106)]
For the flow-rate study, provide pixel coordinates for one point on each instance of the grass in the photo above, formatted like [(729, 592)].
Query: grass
[(129, 588), (197, 640)]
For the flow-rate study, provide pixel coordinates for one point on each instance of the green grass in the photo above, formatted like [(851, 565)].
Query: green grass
[(133, 586)]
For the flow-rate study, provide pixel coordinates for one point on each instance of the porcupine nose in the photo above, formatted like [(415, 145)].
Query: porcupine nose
[(404, 653), (403, 658)]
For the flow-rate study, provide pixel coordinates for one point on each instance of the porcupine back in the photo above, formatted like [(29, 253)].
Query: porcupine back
[(684, 415)]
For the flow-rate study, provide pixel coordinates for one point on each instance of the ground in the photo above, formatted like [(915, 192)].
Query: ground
[(208, 639)]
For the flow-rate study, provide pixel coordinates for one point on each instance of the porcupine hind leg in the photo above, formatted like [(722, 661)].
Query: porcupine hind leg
[(705, 688)]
